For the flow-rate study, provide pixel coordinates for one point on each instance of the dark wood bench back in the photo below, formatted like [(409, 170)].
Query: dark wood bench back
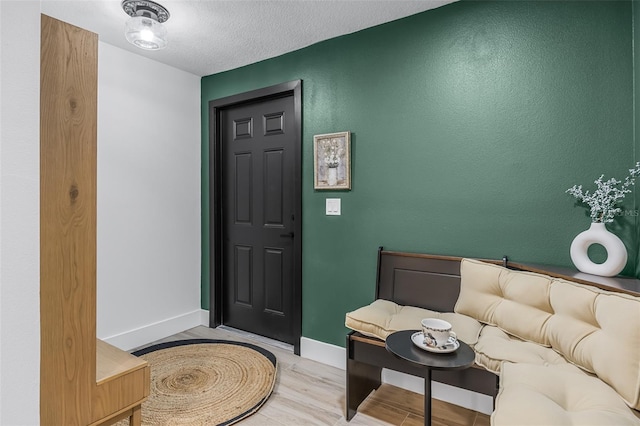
[(422, 280)]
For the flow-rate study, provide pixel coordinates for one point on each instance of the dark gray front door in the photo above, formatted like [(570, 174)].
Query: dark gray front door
[(258, 217)]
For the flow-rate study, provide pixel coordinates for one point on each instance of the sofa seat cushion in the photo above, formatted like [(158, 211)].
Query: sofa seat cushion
[(383, 317), (558, 395), (495, 346)]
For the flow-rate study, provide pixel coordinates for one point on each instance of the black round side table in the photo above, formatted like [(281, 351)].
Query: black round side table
[(400, 345)]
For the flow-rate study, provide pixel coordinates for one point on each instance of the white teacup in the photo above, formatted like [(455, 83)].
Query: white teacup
[(437, 332)]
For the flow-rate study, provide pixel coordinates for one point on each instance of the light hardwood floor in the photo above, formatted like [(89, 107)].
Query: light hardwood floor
[(310, 393)]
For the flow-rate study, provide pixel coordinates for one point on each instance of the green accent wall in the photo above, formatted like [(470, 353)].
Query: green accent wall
[(468, 124)]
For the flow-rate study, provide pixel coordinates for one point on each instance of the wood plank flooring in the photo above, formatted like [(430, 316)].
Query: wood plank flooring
[(310, 393)]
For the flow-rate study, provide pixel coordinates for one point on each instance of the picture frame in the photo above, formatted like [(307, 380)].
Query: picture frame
[(332, 161)]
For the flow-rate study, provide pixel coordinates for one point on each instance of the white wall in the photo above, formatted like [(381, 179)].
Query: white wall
[(148, 198), (19, 212)]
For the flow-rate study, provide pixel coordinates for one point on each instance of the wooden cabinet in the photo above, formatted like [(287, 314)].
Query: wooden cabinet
[(83, 381), (122, 385)]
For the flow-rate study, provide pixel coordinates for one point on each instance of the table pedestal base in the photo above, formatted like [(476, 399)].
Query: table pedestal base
[(427, 398)]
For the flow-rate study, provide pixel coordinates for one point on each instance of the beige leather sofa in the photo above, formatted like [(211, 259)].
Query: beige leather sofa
[(566, 353)]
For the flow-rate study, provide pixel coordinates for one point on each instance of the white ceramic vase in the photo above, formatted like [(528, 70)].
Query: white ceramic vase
[(332, 177), (598, 234)]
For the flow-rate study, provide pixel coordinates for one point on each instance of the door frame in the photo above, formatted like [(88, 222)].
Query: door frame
[(216, 106)]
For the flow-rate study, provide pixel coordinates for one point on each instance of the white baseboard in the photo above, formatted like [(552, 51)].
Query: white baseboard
[(204, 317), (335, 356), (323, 352), (158, 330)]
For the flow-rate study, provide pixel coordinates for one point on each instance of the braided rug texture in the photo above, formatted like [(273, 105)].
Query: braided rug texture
[(206, 382)]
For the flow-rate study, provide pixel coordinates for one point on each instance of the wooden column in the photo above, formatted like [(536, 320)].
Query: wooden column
[(82, 381), (68, 140)]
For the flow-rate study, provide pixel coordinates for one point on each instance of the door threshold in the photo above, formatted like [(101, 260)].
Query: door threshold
[(258, 338)]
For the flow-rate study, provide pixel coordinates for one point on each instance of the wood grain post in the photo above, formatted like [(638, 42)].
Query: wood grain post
[(68, 138)]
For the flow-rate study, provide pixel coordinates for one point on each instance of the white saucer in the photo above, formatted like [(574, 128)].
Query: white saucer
[(418, 340)]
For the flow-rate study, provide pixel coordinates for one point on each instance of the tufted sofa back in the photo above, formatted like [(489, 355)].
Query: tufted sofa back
[(597, 330)]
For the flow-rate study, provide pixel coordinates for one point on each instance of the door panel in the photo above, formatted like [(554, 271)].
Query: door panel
[(243, 188), (243, 273), (258, 152), (273, 275), (273, 188)]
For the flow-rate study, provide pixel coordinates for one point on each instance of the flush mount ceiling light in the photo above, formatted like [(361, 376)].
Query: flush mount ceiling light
[(144, 29)]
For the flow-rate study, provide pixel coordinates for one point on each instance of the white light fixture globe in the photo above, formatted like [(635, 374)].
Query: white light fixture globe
[(146, 33), (144, 29)]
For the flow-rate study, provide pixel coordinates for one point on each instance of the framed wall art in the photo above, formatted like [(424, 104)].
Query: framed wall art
[(332, 161)]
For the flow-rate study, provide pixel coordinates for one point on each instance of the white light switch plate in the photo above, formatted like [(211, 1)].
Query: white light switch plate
[(333, 206)]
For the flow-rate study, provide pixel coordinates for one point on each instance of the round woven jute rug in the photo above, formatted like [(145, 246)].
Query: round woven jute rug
[(206, 382)]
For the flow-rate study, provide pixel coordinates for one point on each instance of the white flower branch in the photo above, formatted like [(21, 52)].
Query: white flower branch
[(608, 193)]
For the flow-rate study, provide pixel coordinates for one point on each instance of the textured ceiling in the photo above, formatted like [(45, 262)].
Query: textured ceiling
[(210, 36)]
